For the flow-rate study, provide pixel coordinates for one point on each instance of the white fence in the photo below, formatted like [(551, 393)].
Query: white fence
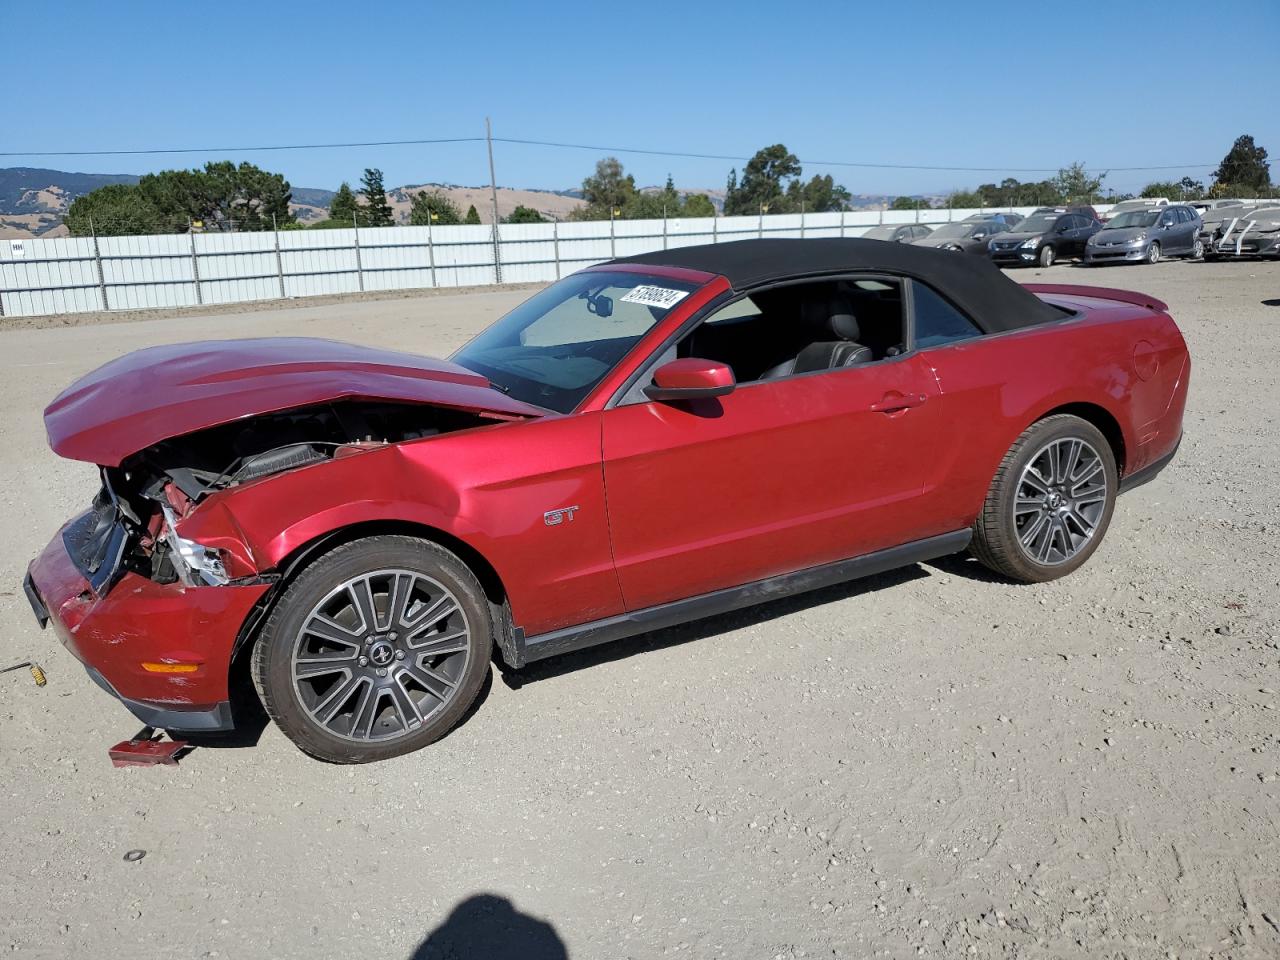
[(77, 274)]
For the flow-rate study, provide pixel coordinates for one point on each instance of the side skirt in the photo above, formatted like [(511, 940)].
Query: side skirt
[(732, 598)]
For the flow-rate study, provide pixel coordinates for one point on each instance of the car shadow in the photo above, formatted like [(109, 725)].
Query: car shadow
[(1274, 302), (967, 566), (706, 627), (488, 927)]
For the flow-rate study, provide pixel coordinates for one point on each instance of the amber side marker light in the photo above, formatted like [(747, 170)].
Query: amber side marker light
[(170, 667)]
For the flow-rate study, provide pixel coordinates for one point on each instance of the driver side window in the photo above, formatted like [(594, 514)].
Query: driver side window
[(798, 329)]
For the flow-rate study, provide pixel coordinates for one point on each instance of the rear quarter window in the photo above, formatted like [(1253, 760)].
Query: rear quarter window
[(936, 321)]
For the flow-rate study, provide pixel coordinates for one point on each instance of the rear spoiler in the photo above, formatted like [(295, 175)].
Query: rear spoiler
[(1101, 293)]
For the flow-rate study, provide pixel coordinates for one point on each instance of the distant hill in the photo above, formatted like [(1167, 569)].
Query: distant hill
[(33, 200)]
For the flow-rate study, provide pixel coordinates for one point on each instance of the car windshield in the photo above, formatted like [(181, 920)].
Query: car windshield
[(954, 231), (1038, 223), (554, 348), (880, 233), (1133, 218)]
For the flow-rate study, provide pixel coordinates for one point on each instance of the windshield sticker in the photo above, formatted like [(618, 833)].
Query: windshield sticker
[(663, 298)]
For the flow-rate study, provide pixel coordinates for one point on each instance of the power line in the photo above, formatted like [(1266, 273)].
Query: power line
[(858, 164), (829, 163), (291, 146)]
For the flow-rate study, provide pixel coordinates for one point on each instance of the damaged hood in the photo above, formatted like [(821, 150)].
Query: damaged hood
[(163, 392)]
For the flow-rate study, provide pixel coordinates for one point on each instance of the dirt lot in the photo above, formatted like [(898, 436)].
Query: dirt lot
[(927, 763)]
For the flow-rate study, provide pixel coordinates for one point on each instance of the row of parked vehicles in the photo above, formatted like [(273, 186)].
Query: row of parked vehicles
[(1134, 231)]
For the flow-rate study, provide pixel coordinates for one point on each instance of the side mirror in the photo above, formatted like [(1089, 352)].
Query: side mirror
[(979, 236), (690, 379)]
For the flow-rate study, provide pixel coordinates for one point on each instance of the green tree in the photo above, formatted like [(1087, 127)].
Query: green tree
[(698, 205), (966, 199), (909, 203), (118, 209), (473, 216), (1244, 168), (610, 188), (343, 207), (1184, 189), (822, 195), (523, 214), (1076, 185), (223, 196), (762, 182), (377, 212), (433, 208)]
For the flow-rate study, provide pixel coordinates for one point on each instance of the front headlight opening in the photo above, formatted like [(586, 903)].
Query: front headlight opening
[(1028, 244), (195, 564)]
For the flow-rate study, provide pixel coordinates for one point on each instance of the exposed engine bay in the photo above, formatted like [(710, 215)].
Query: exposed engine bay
[(132, 525)]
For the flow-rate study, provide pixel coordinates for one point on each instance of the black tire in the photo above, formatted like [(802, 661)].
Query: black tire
[(1197, 250), (1153, 252), (272, 664), (996, 541), (1047, 255)]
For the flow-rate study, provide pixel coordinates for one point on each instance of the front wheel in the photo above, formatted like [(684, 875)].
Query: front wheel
[(1047, 255), (1050, 502), (1197, 249), (375, 650), (1153, 253)]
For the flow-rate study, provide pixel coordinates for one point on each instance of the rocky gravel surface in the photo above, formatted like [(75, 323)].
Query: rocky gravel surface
[(927, 763)]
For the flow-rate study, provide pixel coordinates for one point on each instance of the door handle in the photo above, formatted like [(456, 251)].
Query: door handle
[(893, 402)]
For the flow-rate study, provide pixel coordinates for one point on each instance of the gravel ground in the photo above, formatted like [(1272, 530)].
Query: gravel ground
[(929, 763)]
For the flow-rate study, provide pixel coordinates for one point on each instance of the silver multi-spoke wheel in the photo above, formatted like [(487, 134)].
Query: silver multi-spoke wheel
[(1060, 500), (380, 655)]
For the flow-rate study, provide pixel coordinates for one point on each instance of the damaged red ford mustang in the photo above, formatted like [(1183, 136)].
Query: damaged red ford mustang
[(648, 441)]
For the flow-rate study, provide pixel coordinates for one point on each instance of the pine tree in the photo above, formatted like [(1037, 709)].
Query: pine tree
[(473, 216), (343, 205), (376, 209)]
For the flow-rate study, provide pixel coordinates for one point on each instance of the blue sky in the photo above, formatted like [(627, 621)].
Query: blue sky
[(947, 84)]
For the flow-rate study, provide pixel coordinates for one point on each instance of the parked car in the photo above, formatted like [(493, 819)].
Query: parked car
[(1044, 238), (647, 441), (1136, 236), (1204, 207), (900, 233), (1250, 232), (1008, 218), (1128, 206), (1081, 208), (967, 236)]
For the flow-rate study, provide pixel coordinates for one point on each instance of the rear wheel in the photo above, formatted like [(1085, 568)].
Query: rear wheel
[(375, 650), (1153, 253), (1050, 502), (1047, 255)]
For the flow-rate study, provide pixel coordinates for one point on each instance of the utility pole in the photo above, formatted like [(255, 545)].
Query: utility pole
[(493, 192)]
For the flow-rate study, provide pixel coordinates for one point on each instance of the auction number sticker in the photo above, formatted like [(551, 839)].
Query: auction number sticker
[(664, 298)]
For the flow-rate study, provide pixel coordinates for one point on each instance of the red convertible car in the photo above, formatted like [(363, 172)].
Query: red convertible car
[(651, 440)]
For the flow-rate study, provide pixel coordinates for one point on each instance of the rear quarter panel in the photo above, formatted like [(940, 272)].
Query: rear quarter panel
[(1125, 358)]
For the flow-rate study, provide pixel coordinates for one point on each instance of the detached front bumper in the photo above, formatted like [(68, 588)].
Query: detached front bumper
[(137, 621)]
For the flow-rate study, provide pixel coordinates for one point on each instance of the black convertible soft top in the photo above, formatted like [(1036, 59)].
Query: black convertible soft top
[(972, 283)]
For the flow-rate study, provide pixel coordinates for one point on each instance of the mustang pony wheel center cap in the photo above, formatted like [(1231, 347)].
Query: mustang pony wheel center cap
[(381, 653)]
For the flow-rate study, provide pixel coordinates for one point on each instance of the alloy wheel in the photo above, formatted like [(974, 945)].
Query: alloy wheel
[(380, 655), (1060, 501), (1153, 253)]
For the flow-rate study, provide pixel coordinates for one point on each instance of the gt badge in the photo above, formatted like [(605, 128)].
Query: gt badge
[(553, 518)]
